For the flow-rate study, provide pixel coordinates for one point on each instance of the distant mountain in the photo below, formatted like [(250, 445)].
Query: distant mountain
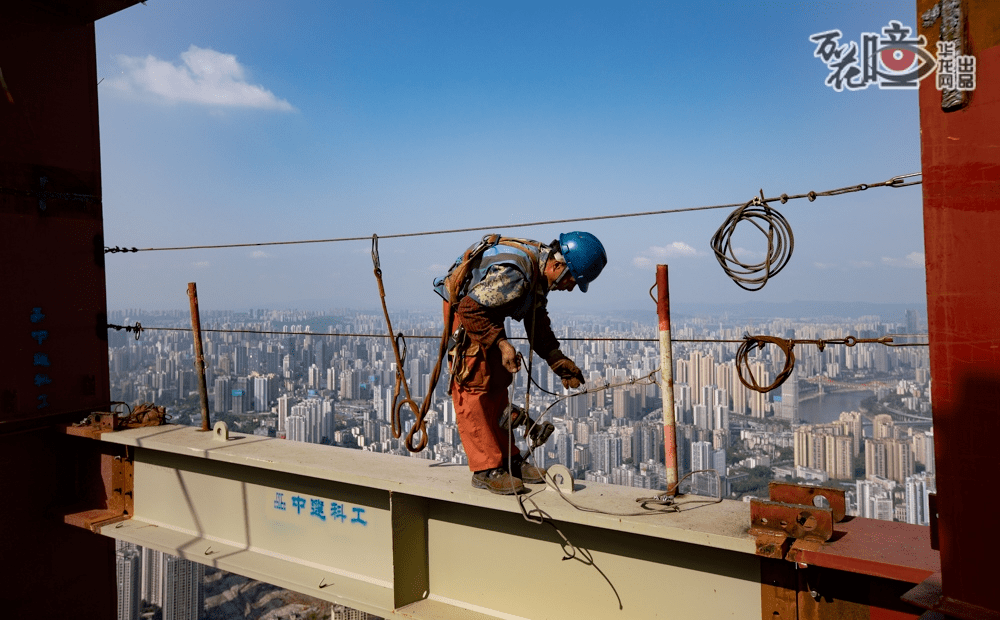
[(895, 312), (887, 312)]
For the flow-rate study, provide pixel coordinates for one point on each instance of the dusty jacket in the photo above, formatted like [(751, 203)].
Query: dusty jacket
[(507, 281)]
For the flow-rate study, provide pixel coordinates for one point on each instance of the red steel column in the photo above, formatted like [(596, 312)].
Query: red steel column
[(54, 357), (960, 151), (667, 379)]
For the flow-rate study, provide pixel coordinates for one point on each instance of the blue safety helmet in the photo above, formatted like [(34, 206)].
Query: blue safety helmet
[(585, 257)]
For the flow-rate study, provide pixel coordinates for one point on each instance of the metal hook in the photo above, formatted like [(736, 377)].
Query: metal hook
[(375, 260)]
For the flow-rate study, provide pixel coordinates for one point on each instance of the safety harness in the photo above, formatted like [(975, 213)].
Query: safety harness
[(456, 284)]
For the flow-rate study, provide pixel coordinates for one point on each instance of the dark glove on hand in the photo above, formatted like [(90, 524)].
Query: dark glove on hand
[(571, 375)]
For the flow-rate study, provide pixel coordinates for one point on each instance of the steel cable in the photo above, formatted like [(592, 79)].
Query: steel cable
[(138, 328), (896, 181), (786, 345)]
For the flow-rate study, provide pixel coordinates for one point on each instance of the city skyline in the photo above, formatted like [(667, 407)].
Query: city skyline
[(334, 385), (302, 385)]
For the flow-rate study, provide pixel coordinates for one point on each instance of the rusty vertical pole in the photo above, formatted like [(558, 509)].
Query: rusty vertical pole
[(667, 379), (199, 356)]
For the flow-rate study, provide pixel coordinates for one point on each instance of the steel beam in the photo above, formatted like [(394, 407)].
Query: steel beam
[(397, 537), (404, 537)]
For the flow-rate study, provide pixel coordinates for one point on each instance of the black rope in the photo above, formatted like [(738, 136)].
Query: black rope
[(137, 328)]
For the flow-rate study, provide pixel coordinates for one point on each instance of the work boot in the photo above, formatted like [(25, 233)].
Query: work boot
[(497, 480), (526, 471)]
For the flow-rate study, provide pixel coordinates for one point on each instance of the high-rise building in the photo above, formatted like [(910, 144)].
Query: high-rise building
[(576, 407), (262, 392), (240, 399), (738, 393), (720, 419), (682, 397), (313, 421), (700, 453), (564, 450), (240, 360), (223, 394), (789, 409), (183, 590), (874, 498), (623, 403), (701, 419), (758, 400), (720, 439), (284, 409), (127, 568), (923, 449), (917, 494), (853, 425), (883, 426), (295, 425), (839, 457), (703, 457), (912, 324), (151, 585), (800, 449), (606, 451), (888, 458), (700, 369)]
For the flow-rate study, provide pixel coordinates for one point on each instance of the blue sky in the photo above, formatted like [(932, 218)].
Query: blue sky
[(301, 120)]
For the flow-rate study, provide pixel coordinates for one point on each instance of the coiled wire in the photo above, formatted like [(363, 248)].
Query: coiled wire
[(780, 244)]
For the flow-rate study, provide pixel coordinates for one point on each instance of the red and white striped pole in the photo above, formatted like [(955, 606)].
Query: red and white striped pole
[(667, 379)]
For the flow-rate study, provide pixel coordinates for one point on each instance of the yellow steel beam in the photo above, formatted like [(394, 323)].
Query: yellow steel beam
[(397, 537)]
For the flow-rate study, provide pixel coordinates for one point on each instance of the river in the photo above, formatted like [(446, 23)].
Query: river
[(827, 408)]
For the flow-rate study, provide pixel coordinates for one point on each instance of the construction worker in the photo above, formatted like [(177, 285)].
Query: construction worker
[(495, 279)]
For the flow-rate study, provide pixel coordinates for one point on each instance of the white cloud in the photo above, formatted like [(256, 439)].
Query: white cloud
[(824, 265), (913, 260), (673, 250), (862, 264), (205, 77), (201, 264), (260, 254), (655, 253)]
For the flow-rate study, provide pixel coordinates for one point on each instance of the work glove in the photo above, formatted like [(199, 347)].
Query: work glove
[(571, 375)]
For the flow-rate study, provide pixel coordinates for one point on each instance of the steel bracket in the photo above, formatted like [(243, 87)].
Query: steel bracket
[(776, 525), (117, 472), (793, 518)]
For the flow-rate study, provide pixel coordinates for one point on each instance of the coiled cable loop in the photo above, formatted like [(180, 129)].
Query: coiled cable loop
[(780, 244)]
